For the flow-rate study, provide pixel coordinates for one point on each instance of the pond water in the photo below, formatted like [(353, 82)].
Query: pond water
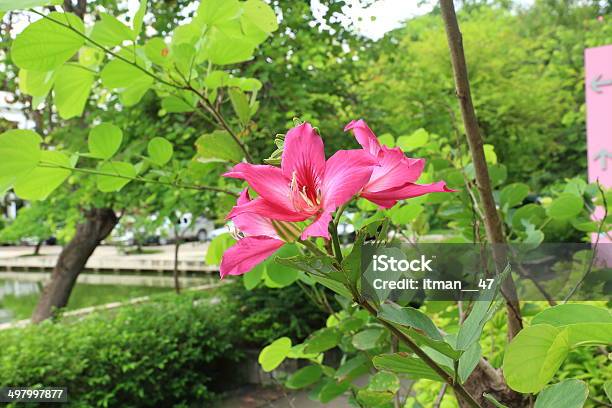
[(18, 298)]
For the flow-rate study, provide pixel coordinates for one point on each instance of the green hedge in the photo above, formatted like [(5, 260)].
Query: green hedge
[(173, 351)]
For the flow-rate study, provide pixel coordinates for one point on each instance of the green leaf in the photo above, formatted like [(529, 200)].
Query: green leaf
[(216, 79), (45, 45), (332, 390), (174, 104), (387, 140), (109, 31), (9, 5), (160, 150), (351, 367), (322, 340), (608, 390), (245, 84), (367, 339), (104, 140), (72, 87), (528, 214), (261, 15), (412, 367), (252, 278), (227, 46), (157, 51), (122, 173), (564, 207), (274, 354), (571, 313), (138, 18), (36, 83), (440, 346), (534, 356), (384, 381), (417, 139), (470, 330), (410, 317), (217, 247), (513, 194), (489, 152), (570, 393), (371, 398), (405, 214), (217, 11), (130, 82), (278, 275), (218, 146), (493, 401), (584, 334), (42, 181), (20, 153), (304, 377), (468, 361), (90, 57), (241, 106)]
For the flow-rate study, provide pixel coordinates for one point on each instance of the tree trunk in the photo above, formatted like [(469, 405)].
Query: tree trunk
[(99, 222), (484, 378), (37, 247), (177, 245)]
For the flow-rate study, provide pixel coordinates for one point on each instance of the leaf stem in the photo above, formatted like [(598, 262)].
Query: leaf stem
[(141, 179), (444, 375)]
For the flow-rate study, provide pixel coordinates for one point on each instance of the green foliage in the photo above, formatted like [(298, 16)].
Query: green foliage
[(274, 354), (137, 348), (537, 352), (104, 141), (568, 393), (160, 150), (45, 44)]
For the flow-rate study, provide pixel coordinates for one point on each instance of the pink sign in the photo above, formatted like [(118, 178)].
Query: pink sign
[(598, 67)]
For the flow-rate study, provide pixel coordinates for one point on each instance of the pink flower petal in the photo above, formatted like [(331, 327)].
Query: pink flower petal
[(267, 181), (388, 198), (395, 170), (319, 227), (346, 173), (245, 254), (251, 223), (364, 135), (303, 155), (267, 209)]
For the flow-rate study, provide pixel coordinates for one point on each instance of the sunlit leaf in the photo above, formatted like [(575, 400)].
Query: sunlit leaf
[(43, 180), (104, 140), (45, 45), (109, 31), (72, 88), (119, 174), (160, 150), (274, 354)]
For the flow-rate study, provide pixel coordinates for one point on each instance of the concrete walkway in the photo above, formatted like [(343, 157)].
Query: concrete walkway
[(110, 258)]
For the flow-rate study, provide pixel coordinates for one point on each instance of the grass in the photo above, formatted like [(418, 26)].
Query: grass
[(83, 295)]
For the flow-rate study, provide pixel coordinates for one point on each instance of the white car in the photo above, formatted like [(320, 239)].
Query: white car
[(186, 228)]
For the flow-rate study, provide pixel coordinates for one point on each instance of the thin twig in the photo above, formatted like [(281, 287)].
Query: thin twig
[(595, 245), (141, 179)]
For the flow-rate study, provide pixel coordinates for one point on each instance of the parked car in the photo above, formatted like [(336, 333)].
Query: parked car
[(187, 228)]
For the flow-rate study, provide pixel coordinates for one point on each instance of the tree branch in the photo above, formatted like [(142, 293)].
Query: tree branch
[(492, 220)]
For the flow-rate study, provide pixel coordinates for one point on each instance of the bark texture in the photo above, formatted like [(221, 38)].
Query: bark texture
[(98, 223)]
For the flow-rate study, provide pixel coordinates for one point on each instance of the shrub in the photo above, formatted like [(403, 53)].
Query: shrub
[(266, 314), (162, 353)]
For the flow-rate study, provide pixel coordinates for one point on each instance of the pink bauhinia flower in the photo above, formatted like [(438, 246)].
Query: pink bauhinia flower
[(306, 186), (394, 178), (257, 240)]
